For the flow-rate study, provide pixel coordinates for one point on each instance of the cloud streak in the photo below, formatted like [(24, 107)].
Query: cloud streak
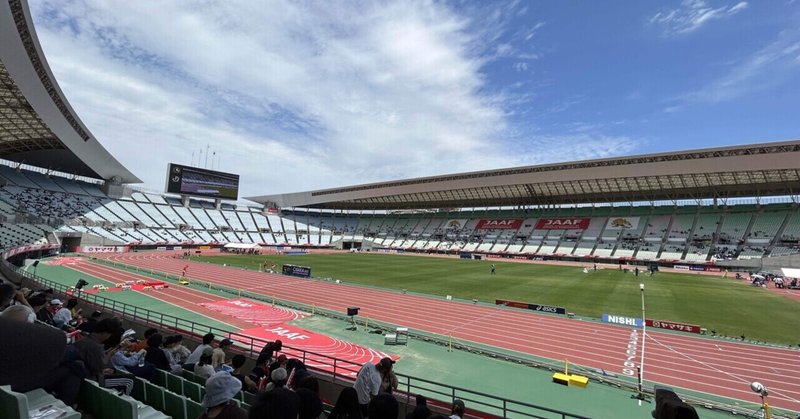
[(692, 15)]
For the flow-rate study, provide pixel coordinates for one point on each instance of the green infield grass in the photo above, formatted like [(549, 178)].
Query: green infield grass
[(727, 306)]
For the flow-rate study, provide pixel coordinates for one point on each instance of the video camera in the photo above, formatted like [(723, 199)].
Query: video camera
[(670, 406)]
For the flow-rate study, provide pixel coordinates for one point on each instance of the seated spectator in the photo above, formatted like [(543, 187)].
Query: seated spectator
[(237, 363), (19, 313), (458, 409), (277, 379), (45, 314), (280, 403), (155, 354), (309, 382), (194, 357), (218, 356), (30, 358), (421, 410), (383, 406), (257, 375), (90, 350), (180, 353), (346, 406), (123, 360), (203, 368), (142, 344), (310, 404), (221, 388), (7, 294), (62, 316)]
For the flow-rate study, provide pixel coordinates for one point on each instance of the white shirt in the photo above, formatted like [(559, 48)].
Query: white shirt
[(63, 315), (368, 382), (195, 356), (204, 371)]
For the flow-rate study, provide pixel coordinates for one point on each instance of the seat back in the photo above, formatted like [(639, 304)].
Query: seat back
[(175, 405), (154, 396), (175, 383), (193, 409), (12, 404), (193, 391)]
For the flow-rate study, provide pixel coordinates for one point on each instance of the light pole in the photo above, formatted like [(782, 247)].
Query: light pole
[(644, 339)]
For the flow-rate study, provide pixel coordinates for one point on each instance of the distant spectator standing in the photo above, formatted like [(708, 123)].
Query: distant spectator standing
[(270, 348), (368, 382)]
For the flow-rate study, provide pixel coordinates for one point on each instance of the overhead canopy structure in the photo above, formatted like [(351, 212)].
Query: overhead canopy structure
[(742, 171), (37, 125)]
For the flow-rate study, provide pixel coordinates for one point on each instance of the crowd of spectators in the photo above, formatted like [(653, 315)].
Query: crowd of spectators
[(48, 204), (37, 355)]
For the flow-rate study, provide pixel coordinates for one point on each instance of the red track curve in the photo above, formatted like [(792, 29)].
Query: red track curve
[(707, 365)]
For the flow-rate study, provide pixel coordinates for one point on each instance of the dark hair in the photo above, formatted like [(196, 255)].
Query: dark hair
[(155, 341), (37, 300), (150, 332), (383, 406), (346, 405), (72, 302), (208, 338), (238, 360), (310, 382), (280, 403), (6, 294), (310, 404), (114, 339)]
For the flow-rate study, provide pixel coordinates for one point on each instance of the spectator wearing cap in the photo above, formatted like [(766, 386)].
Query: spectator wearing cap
[(218, 355), (368, 382), (203, 368), (61, 315), (221, 388), (194, 357), (347, 406), (458, 409), (383, 406), (281, 403)]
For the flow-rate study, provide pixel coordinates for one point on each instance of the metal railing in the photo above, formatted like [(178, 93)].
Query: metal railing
[(337, 369)]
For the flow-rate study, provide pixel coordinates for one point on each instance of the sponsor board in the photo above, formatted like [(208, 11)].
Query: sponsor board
[(622, 320), (682, 327), (535, 307), (455, 224), (102, 249), (500, 224), (294, 270), (622, 223), (25, 249), (697, 268), (713, 269), (563, 223), (681, 267)]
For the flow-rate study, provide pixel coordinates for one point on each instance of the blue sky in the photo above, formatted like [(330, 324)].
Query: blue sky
[(306, 95)]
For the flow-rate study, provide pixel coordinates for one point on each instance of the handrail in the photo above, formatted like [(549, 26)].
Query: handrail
[(341, 369)]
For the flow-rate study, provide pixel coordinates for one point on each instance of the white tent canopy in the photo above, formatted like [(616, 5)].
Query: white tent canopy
[(245, 246), (791, 272)]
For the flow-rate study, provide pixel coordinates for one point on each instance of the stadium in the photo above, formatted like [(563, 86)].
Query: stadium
[(675, 270)]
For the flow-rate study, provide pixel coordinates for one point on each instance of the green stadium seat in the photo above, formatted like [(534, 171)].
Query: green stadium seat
[(19, 405), (154, 396), (175, 383), (193, 409), (138, 389), (161, 376), (188, 375), (193, 391), (249, 397), (175, 405)]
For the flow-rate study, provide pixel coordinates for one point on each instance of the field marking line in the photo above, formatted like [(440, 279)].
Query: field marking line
[(713, 368)]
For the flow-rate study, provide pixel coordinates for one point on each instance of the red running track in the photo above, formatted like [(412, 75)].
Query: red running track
[(242, 322), (707, 365)]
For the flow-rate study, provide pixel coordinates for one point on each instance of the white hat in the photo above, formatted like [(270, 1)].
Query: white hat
[(220, 388), (55, 302)]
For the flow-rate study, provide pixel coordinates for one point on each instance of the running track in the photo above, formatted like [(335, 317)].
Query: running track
[(707, 365)]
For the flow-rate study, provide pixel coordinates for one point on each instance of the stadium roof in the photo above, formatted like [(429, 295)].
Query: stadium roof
[(37, 125), (742, 171)]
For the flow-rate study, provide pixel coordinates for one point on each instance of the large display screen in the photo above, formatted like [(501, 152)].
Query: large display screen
[(195, 181)]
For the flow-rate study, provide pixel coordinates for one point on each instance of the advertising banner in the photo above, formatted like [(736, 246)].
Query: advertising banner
[(534, 307), (294, 270), (623, 320), (24, 249), (660, 324), (581, 223), (506, 224), (455, 224), (622, 223), (102, 249)]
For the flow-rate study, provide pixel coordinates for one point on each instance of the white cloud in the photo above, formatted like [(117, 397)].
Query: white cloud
[(692, 15)]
